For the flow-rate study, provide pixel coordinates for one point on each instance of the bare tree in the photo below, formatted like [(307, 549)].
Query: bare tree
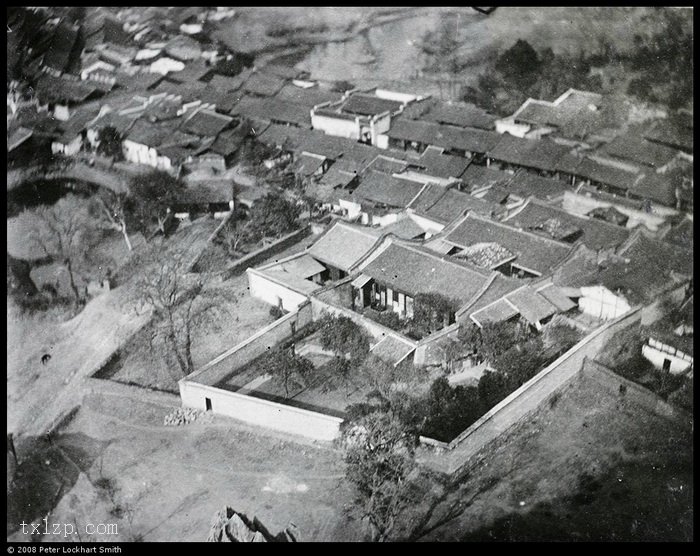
[(182, 302), (63, 234), (108, 208)]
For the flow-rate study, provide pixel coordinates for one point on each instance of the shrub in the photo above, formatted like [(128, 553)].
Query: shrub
[(276, 312)]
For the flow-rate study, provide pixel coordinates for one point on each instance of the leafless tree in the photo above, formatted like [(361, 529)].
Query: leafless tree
[(182, 302), (108, 209), (63, 234)]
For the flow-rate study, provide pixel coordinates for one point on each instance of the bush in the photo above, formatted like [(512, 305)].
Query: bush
[(390, 319), (448, 411)]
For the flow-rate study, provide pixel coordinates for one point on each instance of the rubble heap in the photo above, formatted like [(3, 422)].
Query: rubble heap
[(186, 415), (230, 526)]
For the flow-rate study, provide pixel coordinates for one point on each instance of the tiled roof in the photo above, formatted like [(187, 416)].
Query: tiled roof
[(307, 97), (307, 165), (206, 123), (681, 234), (460, 114), (596, 234), (486, 255), (378, 188), (228, 142), (447, 137), (387, 165), (285, 72), (17, 137), (57, 89), (413, 271), (405, 228), (541, 154), (533, 252), (263, 84), (556, 297), (63, 53), (671, 133), (659, 188), (369, 105), (445, 205), (274, 110), (531, 305), (479, 177), (640, 151), (499, 311), (344, 245), (607, 175), (525, 184), (442, 165)]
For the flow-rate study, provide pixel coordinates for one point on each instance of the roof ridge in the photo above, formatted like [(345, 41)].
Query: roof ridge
[(428, 253)]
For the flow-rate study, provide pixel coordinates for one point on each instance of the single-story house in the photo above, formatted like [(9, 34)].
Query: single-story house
[(498, 246)]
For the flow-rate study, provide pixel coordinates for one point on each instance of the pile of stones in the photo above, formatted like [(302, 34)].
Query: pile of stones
[(186, 415)]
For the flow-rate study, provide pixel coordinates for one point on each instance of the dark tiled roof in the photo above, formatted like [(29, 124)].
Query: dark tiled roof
[(526, 184), (659, 188), (479, 177), (368, 105), (382, 189), (206, 123), (461, 115), (531, 305), (607, 175), (57, 89), (596, 234), (671, 133), (533, 252), (228, 142), (63, 52), (274, 110), (442, 165), (541, 154), (640, 151), (263, 84), (447, 137), (277, 70), (445, 205), (387, 165), (307, 97), (413, 271)]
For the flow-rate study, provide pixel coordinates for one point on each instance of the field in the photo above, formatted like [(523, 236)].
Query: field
[(168, 482)]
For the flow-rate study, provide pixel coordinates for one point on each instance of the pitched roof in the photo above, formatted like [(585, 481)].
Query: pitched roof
[(387, 165), (531, 305), (274, 110), (659, 188), (206, 123), (285, 72), (525, 184), (681, 234), (307, 97), (447, 137), (369, 105), (441, 165), (294, 272), (58, 89), (445, 205), (607, 175), (63, 53), (532, 252), (460, 114), (17, 137), (263, 84), (542, 154), (638, 150), (344, 245), (595, 234), (228, 142), (391, 349), (405, 228), (479, 177), (556, 297), (672, 133), (378, 188), (413, 270)]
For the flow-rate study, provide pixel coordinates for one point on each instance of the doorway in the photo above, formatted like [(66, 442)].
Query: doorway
[(207, 403)]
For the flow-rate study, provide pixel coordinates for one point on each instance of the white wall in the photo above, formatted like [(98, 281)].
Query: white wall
[(509, 126), (263, 413), (271, 292), (656, 357), (582, 204), (337, 127), (382, 141), (600, 302), (378, 126), (67, 149), (430, 226)]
